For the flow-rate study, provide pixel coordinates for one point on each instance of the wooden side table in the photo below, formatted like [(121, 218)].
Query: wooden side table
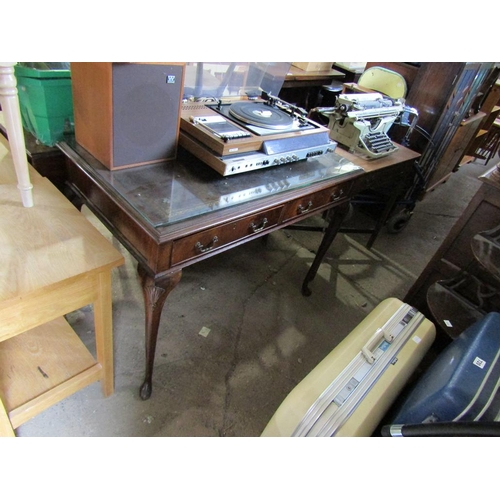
[(53, 262)]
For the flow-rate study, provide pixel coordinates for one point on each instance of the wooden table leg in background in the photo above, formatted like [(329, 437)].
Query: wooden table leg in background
[(155, 291), (331, 231), (10, 107), (389, 206)]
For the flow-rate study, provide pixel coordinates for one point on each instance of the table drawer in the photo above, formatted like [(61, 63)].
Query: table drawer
[(315, 201), (209, 240)]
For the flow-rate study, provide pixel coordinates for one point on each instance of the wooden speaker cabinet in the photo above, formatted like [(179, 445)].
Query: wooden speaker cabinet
[(127, 114)]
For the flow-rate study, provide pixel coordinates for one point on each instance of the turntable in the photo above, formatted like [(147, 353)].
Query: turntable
[(238, 136)]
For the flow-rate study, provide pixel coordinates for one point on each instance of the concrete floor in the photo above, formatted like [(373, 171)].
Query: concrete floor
[(263, 337)]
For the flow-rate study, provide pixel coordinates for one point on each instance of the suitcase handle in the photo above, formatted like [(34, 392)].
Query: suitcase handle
[(367, 349)]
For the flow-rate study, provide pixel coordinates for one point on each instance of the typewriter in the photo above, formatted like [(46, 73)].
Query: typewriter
[(361, 122)]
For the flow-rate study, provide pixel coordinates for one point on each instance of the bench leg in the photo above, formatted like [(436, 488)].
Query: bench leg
[(103, 323), (6, 429)]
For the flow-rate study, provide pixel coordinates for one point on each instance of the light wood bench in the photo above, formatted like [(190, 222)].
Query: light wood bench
[(53, 262)]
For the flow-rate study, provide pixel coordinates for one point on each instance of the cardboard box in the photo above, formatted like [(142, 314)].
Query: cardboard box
[(313, 66), (352, 66)]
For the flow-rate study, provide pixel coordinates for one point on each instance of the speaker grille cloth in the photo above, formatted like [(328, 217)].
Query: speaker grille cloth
[(145, 112)]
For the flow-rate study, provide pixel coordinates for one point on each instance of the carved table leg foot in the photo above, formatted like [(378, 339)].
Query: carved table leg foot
[(336, 220), (155, 291), (306, 291), (146, 389)]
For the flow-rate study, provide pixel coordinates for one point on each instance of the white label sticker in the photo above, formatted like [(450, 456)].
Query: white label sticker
[(479, 362), (417, 339), (204, 331), (448, 323)]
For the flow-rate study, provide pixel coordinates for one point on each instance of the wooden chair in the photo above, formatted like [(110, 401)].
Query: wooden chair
[(378, 79)]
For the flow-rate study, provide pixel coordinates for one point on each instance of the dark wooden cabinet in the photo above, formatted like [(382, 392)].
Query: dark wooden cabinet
[(443, 93), (434, 88), (486, 142), (457, 287), (429, 88)]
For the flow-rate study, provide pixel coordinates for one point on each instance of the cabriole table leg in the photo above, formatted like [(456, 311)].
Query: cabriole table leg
[(155, 291)]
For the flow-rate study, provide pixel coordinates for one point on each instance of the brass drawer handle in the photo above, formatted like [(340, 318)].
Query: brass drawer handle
[(203, 249), (259, 228), (337, 195), (303, 210)]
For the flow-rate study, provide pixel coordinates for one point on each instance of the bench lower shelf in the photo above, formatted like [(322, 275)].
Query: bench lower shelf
[(42, 366)]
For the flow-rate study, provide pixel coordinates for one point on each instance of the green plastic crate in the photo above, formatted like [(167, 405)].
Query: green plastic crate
[(46, 102)]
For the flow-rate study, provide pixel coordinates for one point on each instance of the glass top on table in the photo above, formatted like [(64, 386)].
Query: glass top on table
[(173, 191)]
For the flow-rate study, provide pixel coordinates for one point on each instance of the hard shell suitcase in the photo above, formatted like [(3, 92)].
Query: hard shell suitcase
[(349, 392), (462, 382)]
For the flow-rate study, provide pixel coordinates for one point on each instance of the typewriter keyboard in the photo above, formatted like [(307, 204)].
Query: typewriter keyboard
[(378, 142)]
